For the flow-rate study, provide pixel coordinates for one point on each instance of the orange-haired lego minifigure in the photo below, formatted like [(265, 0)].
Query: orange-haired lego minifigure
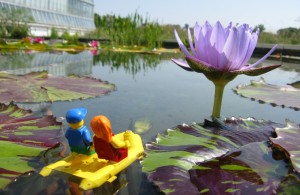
[(106, 145)]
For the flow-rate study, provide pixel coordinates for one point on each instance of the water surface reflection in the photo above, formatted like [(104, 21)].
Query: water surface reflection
[(149, 87)]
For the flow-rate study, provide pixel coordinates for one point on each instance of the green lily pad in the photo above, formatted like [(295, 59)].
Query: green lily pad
[(23, 137), (41, 87), (169, 159), (285, 96), (287, 140)]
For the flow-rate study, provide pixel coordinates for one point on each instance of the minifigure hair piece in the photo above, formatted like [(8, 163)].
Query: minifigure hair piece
[(102, 128)]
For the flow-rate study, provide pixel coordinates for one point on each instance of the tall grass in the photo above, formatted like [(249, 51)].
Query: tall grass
[(130, 31)]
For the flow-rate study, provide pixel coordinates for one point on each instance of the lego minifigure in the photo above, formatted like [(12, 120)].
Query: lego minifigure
[(106, 145), (78, 136)]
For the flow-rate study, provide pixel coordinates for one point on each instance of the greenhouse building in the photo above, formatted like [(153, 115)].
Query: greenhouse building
[(74, 16)]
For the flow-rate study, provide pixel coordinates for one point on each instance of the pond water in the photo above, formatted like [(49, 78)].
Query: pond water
[(149, 88)]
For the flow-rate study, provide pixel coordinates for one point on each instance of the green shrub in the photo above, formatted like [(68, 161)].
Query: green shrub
[(20, 32), (54, 33), (65, 35)]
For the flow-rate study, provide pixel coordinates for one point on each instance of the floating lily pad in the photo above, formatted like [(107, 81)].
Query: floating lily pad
[(249, 170), (141, 125), (41, 87), (23, 137), (289, 185), (295, 84), (285, 96), (288, 140), (169, 159)]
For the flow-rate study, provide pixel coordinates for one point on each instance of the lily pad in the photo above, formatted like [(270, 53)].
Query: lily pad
[(23, 137), (287, 140), (285, 96), (169, 159), (249, 170), (295, 84), (41, 87)]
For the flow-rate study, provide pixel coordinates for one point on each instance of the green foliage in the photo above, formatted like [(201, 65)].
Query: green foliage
[(261, 28), (65, 35), (289, 35), (266, 37), (168, 32), (54, 33), (20, 32), (13, 22), (283, 36), (71, 39), (131, 30)]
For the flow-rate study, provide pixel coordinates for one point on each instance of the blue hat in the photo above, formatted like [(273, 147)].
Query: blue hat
[(75, 115)]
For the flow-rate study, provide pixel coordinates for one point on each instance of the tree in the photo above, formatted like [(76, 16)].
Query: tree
[(261, 28), (14, 22)]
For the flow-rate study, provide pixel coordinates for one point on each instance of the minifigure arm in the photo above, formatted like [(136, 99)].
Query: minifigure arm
[(87, 138), (117, 143)]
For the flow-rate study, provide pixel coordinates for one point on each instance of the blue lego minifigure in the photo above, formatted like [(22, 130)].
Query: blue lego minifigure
[(78, 136)]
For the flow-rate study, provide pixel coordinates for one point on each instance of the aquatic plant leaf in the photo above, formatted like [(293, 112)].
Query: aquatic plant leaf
[(289, 185), (169, 159), (251, 169), (288, 140), (295, 84), (285, 96), (23, 137), (41, 87)]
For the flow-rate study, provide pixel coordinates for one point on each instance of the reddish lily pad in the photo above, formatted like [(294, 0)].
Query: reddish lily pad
[(41, 87), (288, 140), (169, 159), (23, 137), (249, 170), (285, 96)]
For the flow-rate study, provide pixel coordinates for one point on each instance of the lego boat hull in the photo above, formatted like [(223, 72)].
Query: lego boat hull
[(94, 171)]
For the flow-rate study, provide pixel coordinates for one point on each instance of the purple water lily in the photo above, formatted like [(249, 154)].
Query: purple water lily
[(221, 49), (221, 54)]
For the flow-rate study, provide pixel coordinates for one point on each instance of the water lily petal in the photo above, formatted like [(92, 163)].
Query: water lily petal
[(181, 45), (182, 64), (207, 29), (260, 60), (222, 61), (231, 49), (200, 44), (251, 47), (245, 37), (226, 30), (220, 49), (218, 37), (211, 54), (197, 30), (191, 43)]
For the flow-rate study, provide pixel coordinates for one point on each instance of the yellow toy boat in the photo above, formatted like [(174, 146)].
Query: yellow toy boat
[(94, 171)]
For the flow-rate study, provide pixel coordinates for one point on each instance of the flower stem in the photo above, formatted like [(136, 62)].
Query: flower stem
[(219, 88)]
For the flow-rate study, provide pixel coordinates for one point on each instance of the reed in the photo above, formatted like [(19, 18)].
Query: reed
[(133, 30)]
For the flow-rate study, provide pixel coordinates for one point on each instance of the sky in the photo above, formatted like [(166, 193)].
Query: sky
[(273, 14)]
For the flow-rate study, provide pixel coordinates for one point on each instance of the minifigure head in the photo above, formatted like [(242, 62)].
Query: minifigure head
[(75, 117), (101, 127)]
